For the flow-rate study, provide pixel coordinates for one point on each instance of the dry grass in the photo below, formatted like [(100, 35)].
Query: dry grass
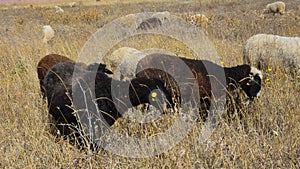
[(266, 137)]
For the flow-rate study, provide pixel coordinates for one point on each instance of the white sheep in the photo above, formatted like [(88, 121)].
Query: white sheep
[(275, 7), (48, 33), (58, 9), (123, 62), (265, 51)]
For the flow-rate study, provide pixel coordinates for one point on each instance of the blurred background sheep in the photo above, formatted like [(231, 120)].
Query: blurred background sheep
[(58, 9), (275, 7), (72, 4), (266, 51), (48, 33)]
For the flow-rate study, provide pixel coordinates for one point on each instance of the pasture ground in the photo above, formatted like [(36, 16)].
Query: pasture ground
[(266, 137)]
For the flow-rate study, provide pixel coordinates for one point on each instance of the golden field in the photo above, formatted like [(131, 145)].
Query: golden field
[(266, 137)]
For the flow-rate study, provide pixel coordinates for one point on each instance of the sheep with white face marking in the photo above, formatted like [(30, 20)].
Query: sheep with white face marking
[(48, 33), (275, 7), (245, 76), (267, 51)]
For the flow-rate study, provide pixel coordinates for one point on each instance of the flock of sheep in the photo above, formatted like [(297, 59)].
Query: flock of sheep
[(62, 79), (119, 85)]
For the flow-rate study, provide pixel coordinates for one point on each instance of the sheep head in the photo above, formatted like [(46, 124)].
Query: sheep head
[(252, 84), (152, 91)]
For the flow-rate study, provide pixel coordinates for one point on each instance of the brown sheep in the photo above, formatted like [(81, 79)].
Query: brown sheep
[(48, 61), (224, 79)]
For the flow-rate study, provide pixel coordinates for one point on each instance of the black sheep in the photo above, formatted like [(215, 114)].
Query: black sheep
[(66, 95), (114, 97), (58, 84)]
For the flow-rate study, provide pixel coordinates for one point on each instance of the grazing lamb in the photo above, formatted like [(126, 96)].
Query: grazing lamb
[(59, 84), (48, 33), (248, 78), (275, 7), (267, 51)]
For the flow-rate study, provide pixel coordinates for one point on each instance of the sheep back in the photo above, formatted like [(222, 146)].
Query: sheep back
[(194, 81), (263, 51), (46, 63)]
